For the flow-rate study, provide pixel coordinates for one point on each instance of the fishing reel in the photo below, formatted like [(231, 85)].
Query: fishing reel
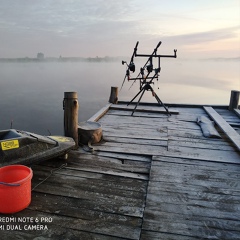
[(130, 67), (150, 66), (146, 80), (143, 79)]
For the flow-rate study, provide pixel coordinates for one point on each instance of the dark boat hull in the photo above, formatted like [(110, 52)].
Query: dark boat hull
[(20, 147)]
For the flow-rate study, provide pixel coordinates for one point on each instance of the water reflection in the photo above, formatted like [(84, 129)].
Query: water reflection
[(31, 94)]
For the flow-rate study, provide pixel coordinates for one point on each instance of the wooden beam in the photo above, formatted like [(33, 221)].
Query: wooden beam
[(100, 113), (227, 129), (144, 109)]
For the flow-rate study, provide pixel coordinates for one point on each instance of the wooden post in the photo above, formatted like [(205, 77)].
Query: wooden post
[(114, 95), (234, 99), (70, 107)]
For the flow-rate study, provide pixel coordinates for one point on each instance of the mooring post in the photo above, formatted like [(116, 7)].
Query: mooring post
[(70, 107), (114, 95), (234, 99)]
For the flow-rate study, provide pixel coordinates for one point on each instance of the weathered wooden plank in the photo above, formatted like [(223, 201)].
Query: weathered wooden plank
[(78, 178), (193, 199), (237, 112), (94, 226), (100, 113), (175, 105), (182, 117), (185, 133), (140, 141), (157, 133), (153, 235), (184, 173), (87, 160), (140, 108), (182, 111), (180, 107), (108, 202), (137, 114), (84, 212), (77, 182), (74, 172), (230, 132), (108, 171), (81, 208), (132, 148), (202, 165), (120, 156), (127, 121), (179, 193), (53, 232), (199, 182), (197, 220), (218, 143), (230, 118), (136, 132), (118, 165), (212, 228), (123, 164), (198, 154), (199, 144), (226, 112)]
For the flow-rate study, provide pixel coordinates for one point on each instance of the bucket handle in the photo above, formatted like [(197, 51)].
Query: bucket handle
[(11, 184)]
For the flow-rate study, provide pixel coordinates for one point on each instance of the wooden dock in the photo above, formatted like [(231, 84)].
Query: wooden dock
[(153, 176)]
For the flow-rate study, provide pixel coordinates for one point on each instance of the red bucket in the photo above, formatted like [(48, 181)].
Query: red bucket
[(15, 188)]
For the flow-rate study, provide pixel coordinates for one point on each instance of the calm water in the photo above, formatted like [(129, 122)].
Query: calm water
[(31, 94)]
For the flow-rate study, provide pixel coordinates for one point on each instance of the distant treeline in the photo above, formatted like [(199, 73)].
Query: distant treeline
[(63, 59), (96, 59)]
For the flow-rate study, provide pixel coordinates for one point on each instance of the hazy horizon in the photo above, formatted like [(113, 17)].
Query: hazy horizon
[(237, 58)]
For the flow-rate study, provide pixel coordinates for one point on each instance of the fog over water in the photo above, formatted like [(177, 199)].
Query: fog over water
[(31, 93)]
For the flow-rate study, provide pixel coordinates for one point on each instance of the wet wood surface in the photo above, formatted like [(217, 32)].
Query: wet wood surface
[(152, 176)]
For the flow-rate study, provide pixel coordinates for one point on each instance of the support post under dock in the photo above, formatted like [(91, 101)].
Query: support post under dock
[(114, 95), (234, 99), (70, 107)]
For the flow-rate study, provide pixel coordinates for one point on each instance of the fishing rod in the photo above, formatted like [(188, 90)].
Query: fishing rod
[(145, 83), (130, 66), (150, 66)]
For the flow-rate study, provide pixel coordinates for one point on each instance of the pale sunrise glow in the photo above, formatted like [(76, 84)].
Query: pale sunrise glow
[(199, 28)]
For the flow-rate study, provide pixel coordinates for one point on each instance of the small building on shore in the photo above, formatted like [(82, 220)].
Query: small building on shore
[(40, 56)]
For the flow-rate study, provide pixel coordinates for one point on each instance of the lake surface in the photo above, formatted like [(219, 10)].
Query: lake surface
[(31, 93)]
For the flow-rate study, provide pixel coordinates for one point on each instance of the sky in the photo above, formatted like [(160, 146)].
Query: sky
[(90, 28)]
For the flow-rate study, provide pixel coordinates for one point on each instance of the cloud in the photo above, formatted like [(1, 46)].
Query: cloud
[(222, 42), (100, 27), (213, 35)]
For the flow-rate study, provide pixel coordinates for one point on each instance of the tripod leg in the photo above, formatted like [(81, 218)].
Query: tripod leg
[(160, 102), (138, 101), (135, 96)]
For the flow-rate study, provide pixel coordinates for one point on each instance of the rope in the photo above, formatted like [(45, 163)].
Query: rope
[(51, 173)]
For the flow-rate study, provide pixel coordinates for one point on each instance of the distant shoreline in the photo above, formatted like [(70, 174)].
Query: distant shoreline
[(95, 59), (62, 59)]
